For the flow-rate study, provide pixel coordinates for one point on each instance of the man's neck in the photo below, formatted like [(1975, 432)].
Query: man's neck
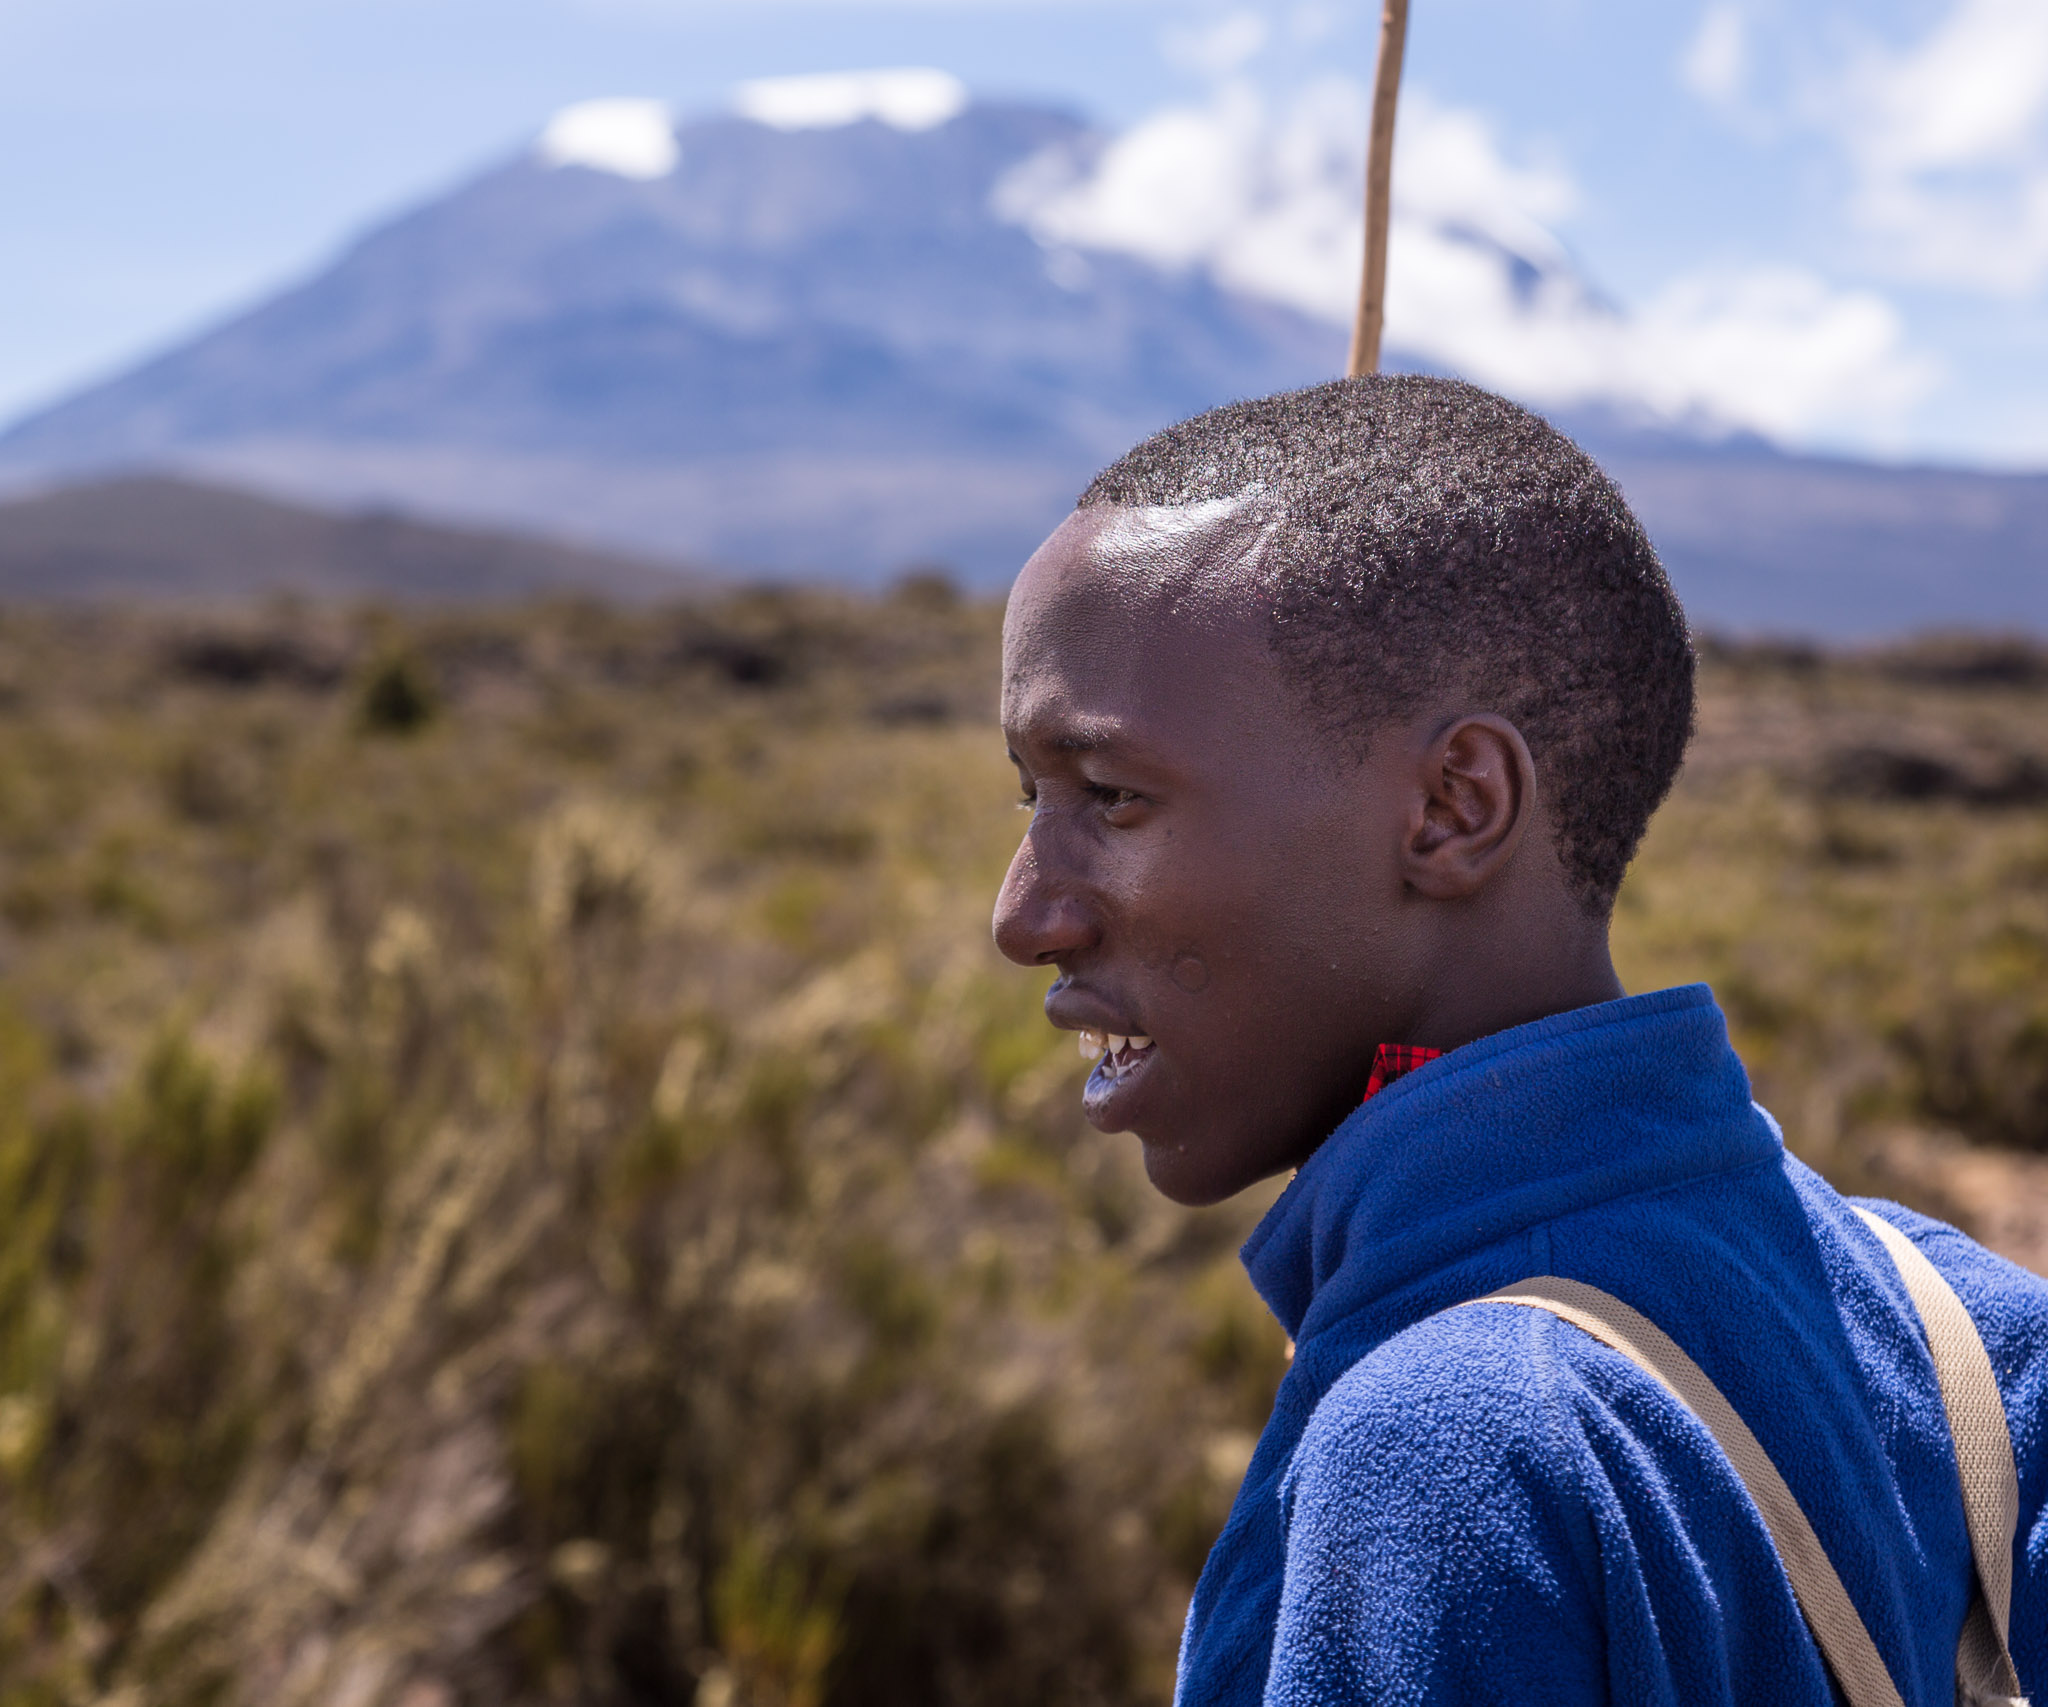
[(1516, 978)]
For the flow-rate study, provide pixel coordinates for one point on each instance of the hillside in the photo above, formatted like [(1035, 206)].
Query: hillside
[(161, 540), (526, 1180), (1759, 542), (811, 350), (831, 348)]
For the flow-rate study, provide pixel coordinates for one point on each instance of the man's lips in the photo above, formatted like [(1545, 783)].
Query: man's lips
[(1111, 1038), (1074, 1009)]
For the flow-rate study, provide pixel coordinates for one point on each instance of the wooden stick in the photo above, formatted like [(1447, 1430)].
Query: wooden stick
[(1379, 186)]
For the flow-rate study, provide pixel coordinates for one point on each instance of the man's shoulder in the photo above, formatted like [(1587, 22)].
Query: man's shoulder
[(1998, 1291), (1471, 1436), (1467, 1397), (2009, 1306)]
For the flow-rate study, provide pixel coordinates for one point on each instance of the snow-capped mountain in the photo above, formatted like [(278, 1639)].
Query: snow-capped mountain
[(859, 322), (774, 340)]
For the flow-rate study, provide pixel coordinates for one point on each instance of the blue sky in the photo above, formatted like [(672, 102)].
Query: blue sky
[(1826, 219)]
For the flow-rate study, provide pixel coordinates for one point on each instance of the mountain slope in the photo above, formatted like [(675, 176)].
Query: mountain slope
[(815, 350), (164, 541), (835, 346), (1762, 542)]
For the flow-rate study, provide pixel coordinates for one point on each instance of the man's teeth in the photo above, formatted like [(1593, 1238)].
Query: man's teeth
[(1094, 1044)]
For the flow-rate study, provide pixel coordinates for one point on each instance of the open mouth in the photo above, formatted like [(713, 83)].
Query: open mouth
[(1118, 1055), (1119, 1060)]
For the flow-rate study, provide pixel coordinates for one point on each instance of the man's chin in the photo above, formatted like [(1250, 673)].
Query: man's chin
[(1187, 1175)]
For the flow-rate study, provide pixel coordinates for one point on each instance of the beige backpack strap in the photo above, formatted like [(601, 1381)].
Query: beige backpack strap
[(1991, 1490), (1844, 1643)]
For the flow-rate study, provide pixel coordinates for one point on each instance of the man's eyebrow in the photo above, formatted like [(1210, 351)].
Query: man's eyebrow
[(1081, 736)]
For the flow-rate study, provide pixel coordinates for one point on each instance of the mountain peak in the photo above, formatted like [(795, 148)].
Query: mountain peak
[(794, 336), (908, 98), (634, 137), (625, 135), (859, 322)]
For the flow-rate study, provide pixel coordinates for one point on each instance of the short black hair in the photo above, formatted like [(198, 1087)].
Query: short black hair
[(1432, 538)]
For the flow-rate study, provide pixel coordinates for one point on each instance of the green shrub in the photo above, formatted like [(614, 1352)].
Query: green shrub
[(396, 695)]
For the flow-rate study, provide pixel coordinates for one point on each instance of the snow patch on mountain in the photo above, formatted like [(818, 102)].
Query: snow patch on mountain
[(910, 99), (824, 346), (630, 137)]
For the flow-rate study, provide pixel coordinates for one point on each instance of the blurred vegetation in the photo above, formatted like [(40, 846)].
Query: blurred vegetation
[(522, 1180), (1857, 859)]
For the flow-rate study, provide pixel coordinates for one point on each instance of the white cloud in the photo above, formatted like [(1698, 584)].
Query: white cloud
[(1717, 60), (1972, 93), (1949, 140), (1273, 205), (1776, 348), (1172, 189), (912, 99), (1478, 282), (633, 138)]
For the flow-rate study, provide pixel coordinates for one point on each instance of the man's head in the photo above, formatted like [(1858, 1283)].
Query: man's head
[(1343, 712)]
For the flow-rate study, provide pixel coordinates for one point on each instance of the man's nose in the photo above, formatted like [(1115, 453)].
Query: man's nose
[(1041, 916)]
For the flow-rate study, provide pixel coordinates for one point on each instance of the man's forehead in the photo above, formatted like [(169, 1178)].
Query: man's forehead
[(1177, 552), (1126, 612), (1169, 537), (1194, 562)]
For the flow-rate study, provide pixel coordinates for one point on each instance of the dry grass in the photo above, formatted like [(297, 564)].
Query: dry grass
[(523, 1180)]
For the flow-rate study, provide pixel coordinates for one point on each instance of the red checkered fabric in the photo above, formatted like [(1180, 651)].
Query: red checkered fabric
[(1390, 1061)]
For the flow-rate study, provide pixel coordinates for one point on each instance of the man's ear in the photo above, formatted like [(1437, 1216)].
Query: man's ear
[(1478, 791)]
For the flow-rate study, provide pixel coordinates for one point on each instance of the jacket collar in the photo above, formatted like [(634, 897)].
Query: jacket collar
[(1501, 1136)]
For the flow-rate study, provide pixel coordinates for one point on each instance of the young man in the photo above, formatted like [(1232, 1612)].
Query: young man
[(1341, 715)]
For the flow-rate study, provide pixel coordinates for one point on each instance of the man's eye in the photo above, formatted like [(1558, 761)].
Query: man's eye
[(1111, 799)]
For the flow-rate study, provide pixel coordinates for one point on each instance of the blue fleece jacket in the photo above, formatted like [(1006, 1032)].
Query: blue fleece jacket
[(1490, 1506)]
